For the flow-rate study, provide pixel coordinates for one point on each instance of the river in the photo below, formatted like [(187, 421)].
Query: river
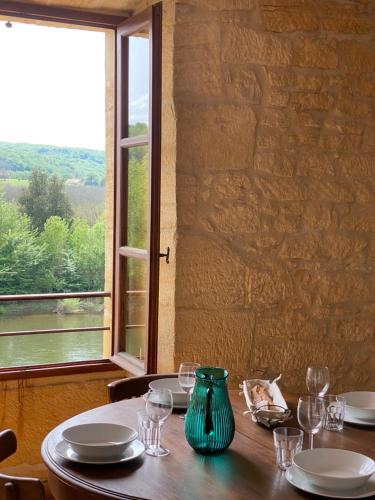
[(50, 348)]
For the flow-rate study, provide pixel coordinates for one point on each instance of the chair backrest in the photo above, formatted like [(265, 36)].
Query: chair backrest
[(8, 444), (12, 487), (20, 488), (133, 387)]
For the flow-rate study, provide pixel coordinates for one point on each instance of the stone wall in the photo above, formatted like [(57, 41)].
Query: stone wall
[(275, 103)]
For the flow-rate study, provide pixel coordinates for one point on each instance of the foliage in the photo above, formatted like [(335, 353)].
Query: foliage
[(18, 160), (44, 197)]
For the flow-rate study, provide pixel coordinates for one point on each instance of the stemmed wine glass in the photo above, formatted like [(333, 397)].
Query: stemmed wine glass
[(186, 377), (159, 404), (310, 414), (317, 380)]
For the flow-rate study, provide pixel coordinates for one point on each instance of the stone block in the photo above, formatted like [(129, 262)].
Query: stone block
[(318, 217), (295, 325), (357, 57), (329, 190), (242, 82), (315, 53), (237, 219), (288, 20), (302, 101), (209, 337), (191, 34), (360, 219), (357, 165), (296, 80), (280, 189), (337, 246), (356, 330), (333, 288), (216, 137), (198, 79), (208, 274), (278, 98), (364, 85), (187, 188), (314, 165), (279, 164), (339, 23), (243, 45), (304, 247), (284, 356), (268, 287)]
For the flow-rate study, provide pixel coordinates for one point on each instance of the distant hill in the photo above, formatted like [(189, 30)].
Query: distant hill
[(17, 161)]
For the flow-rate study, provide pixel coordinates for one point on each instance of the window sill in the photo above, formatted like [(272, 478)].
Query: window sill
[(129, 363), (57, 369)]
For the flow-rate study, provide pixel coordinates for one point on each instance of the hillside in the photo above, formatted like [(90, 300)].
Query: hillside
[(17, 161)]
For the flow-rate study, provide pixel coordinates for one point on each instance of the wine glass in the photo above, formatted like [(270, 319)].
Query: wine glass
[(186, 377), (317, 380), (310, 414), (159, 404)]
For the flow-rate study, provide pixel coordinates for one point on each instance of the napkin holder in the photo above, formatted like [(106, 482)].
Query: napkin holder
[(270, 410)]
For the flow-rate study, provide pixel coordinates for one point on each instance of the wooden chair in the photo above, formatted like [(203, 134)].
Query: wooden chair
[(12, 487), (133, 387)]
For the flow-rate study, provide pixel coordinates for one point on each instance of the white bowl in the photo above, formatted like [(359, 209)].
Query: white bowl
[(99, 440), (334, 469), (180, 397), (360, 404)]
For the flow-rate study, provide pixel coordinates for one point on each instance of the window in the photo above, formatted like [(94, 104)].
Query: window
[(55, 332), (138, 191)]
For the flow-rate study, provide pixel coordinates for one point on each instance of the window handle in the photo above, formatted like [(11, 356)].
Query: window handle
[(166, 255)]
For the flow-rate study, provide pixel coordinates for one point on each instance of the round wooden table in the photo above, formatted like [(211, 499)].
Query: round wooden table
[(246, 470)]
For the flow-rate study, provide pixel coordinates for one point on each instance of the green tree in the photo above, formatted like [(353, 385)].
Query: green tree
[(22, 259), (87, 246), (55, 240), (44, 197)]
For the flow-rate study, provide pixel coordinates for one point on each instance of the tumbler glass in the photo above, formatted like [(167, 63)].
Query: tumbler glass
[(288, 442), (334, 412)]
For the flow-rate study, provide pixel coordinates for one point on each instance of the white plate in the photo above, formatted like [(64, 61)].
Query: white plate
[(358, 421), (334, 468), (360, 404), (182, 406), (133, 451), (297, 479), (180, 397)]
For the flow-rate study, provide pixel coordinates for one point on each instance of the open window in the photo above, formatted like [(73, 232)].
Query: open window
[(138, 147), (128, 296)]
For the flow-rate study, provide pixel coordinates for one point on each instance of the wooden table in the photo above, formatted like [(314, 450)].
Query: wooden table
[(246, 470)]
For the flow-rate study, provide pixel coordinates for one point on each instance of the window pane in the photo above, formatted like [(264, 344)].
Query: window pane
[(138, 84), (137, 197), (52, 347), (136, 308)]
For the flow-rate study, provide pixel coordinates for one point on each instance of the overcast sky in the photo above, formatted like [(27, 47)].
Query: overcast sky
[(52, 86)]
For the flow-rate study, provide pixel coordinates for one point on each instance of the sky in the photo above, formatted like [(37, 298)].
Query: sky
[(52, 85)]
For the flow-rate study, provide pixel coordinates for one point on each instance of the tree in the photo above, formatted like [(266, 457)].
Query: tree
[(22, 259), (44, 197), (55, 240)]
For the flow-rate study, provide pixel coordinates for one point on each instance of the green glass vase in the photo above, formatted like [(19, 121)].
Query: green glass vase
[(209, 423)]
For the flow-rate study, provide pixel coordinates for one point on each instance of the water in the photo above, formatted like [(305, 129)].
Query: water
[(53, 347)]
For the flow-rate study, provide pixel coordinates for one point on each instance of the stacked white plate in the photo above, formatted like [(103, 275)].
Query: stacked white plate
[(333, 473), (99, 443), (360, 407), (180, 397)]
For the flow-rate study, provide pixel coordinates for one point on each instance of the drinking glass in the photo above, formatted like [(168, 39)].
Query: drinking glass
[(334, 412), (310, 414), (159, 404), (186, 377), (288, 442), (317, 380)]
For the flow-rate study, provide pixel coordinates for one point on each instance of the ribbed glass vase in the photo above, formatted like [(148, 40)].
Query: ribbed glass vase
[(209, 423)]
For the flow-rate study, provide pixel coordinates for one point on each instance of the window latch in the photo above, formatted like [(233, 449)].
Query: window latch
[(166, 255)]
